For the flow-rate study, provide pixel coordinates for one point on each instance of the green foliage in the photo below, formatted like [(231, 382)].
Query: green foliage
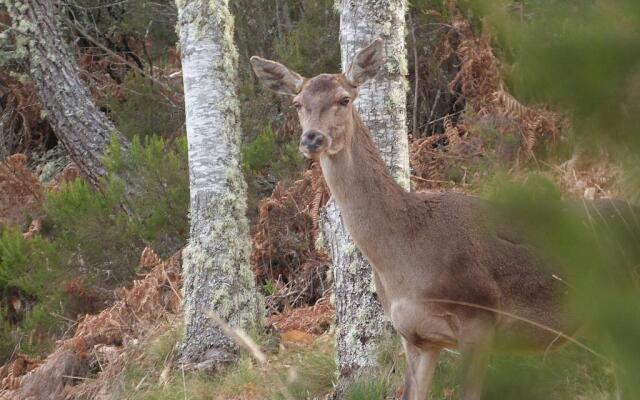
[(369, 388), (597, 248), (269, 287), (42, 326), (258, 154), (315, 371), (194, 386), (567, 374), (299, 47), (7, 342), (163, 347), (98, 235), (30, 271), (270, 153), (91, 225), (291, 32), (105, 232), (145, 111), (306, 371), (160, 204), (26, 264), (581, 56)]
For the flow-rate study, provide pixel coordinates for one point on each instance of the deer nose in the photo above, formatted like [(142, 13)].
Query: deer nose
[(312, 140)]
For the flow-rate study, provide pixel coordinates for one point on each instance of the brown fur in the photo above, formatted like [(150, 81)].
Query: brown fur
[(434, 255), (441, 246)]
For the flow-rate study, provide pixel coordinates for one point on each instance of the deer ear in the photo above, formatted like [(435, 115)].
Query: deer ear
[(366, 63), (275, 76)]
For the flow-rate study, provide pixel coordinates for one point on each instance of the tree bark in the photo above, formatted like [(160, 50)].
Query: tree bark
[(360, 324), (217, 274), (78, 124)]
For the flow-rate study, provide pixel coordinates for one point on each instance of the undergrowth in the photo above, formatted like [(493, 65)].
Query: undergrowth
[(306, 370), (267, 152), (106, 235), (145, 110), (567, 374), (91, 242), (30, 272)]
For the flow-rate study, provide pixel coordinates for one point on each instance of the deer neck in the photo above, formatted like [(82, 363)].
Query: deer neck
[(366, 194)]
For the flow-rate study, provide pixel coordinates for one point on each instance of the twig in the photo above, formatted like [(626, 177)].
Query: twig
[(441, 118), (10, 28), (184, 383), (428, 180), (528, 321), (433, 108), (97, 359), (239, 336), (243, 340), (118, 56), (62, 317), (415, 75), (77, 377), (139, 385)]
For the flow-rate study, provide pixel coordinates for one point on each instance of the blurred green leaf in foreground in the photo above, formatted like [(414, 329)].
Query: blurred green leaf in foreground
[(582, 56)]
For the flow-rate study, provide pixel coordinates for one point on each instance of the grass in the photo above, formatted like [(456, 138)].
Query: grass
[(570, 373), (308, 371), (368, 388)]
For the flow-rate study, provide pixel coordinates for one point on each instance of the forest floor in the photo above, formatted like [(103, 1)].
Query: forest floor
[(129, 349)]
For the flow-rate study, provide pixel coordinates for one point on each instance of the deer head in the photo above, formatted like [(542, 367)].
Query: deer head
[(324, 102)]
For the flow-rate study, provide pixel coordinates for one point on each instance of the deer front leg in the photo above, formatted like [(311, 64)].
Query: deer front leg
[(421, 364), (476, 347)]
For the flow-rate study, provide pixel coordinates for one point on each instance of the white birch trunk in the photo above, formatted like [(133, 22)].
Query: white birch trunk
[(217, 275), (360, 323)]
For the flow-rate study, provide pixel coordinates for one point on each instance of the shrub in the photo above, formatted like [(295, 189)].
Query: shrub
[(26, 265), (257, 154), (7, 343), (106, 231), (96, 235), (160, 205), (30, 273), (90, 226), (145, 111), (268, 153), (299, 47)]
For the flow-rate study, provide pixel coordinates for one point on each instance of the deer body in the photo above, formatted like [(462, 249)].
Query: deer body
[(426, 247), (442, 265)]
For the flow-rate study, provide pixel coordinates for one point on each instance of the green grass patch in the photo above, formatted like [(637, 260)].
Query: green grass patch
[(306, 372)]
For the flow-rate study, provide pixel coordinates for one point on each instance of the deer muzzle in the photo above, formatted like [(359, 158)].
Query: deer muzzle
[(313, 142)]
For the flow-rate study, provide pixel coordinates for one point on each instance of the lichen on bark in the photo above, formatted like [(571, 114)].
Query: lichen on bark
[(82, 128), (217, 274)]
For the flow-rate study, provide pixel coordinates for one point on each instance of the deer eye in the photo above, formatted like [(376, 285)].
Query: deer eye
[(345, 101), (297, 105)]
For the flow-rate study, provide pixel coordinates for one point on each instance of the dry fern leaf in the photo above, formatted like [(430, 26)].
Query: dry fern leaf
[(451, 132), (20, 191)]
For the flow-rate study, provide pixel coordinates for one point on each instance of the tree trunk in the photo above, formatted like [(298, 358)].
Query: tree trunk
[(78, 124), (217, 275), (360, 323)]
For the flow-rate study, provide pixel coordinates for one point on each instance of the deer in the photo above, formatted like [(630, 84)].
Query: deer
[(446, 273)]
